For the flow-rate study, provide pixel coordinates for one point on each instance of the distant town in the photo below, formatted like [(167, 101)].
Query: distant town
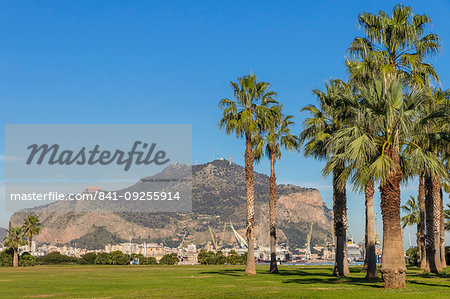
[(189, 254)]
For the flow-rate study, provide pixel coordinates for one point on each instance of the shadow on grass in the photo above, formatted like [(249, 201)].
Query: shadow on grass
[(319, 275), (425, 283), (307, 277), (228, 272)]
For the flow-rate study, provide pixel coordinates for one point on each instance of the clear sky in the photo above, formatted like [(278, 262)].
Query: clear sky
[(171, 62)]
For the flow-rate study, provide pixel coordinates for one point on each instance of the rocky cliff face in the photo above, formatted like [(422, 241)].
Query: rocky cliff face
[(218, 199)]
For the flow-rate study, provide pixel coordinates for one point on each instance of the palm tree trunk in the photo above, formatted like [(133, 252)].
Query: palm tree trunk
[(273, 215), (364, 267), (421, 228), (249, 186), (371, 273), (442, 230), (432, 206), (30, 242), (393, 266), (340, 225), (15, 258), (417, 261)]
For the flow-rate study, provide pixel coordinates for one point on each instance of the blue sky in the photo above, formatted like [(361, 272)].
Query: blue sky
[(159, 62)]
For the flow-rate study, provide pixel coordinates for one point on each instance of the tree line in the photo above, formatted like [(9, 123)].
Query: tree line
[(385, 125)]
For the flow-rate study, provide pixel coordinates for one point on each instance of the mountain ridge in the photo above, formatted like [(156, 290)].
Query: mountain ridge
[(218, 190)]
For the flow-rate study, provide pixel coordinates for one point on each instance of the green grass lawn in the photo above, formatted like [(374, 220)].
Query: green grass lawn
[(207, 281)]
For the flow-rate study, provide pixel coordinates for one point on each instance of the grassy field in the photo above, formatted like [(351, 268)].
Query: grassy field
[(207, 281)]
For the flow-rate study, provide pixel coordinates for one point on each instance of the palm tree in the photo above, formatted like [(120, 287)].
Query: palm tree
[(14, 239), (421, 233), (31, 227), (277, 135), (319, 129), (394, 49), (355, 146), (394, 46), (394, 116), (241, 117), (412, 217), (432, 134)]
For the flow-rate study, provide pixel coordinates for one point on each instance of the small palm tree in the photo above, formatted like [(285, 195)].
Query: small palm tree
[(241, 117), (31, 227), (14, 239), (276, 135), (412, 217)]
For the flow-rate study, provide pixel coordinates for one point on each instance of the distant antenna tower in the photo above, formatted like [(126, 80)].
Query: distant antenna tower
[(230, 159)]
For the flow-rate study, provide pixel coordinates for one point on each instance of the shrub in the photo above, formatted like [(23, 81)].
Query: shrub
[(102, 259), (88, 258), (147, 261), (411, 253), (235, 259), (447, 255), (56, 258), (6, 258), (169, 259), (211, 258), (27, 260), (118, 258)]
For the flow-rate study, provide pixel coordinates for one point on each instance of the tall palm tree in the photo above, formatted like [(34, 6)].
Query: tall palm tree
[(318, 131), (395, 46), (433, 135), (355, 146), (276, 130), (31, 227), (412, 217), (14, 239), (240, 116)]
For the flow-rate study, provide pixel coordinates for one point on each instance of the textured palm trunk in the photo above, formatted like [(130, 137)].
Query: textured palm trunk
[(30, 241), (364, 267), (419, 253), (371, 269), (273, 215), (249, 186), (442, 230), (340, 226), (15, 258), (393, 267), (421, 228), (432, 206)]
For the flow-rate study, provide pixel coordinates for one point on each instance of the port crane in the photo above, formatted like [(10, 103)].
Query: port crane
[(242, 243), (213, 240), (239, 239)]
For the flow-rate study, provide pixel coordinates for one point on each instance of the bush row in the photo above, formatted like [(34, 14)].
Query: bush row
[(112, 258), (211, 258)]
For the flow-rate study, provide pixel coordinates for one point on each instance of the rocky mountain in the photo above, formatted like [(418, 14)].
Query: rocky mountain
[(218, 190)]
